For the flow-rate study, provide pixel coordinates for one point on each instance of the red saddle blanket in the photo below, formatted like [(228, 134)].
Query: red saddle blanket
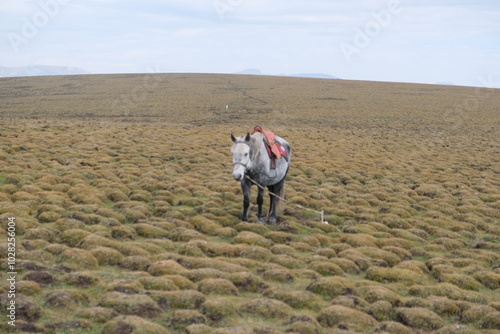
[(274, 147)]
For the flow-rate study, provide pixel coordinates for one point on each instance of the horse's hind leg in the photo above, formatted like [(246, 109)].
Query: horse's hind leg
[(271, 217), (260, 200), (275, 189)]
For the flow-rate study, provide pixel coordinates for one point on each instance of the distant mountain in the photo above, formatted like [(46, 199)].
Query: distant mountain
[(298, 75), (251, 71), (39, 70), (311, 75), (445, 83)]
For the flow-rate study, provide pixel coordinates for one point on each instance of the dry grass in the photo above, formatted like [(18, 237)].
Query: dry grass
[(128, 219)]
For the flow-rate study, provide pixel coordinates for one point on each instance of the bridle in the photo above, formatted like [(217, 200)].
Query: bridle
[(240, 163)]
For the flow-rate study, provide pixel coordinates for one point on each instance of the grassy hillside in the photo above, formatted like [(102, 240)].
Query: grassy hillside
[(127, 217)]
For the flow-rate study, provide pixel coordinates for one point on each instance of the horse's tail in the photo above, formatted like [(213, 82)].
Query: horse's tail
[(279, 201)]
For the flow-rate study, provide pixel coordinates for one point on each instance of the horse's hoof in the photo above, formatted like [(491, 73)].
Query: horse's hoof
[(260, 221), (272, 221)]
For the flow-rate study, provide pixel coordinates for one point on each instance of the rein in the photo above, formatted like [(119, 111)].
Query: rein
[(321, 213)]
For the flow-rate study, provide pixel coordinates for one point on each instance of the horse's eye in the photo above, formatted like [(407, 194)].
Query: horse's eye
[(246, 154)]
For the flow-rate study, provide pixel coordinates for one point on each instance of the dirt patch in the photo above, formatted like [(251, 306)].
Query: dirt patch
[(43, 278)]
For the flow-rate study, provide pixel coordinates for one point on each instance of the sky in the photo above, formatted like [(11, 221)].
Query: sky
[(421, 41)]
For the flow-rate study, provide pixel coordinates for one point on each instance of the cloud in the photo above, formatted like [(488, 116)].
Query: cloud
[(279, 36)]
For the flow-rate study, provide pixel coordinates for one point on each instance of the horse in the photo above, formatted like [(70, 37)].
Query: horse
[(251, 163)]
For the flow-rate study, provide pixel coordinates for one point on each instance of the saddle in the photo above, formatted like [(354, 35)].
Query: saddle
[(274, 148)]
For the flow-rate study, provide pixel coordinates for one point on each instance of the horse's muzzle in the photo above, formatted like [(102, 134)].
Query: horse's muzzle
[(238, 176), (239, 171)]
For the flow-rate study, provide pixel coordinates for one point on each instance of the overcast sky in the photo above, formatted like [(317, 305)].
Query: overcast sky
[(421, 41)]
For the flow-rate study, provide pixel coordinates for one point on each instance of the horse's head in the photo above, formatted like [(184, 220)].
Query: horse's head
[(241, 155)]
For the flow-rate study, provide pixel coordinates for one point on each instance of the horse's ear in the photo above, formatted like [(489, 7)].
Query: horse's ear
[(233, 138), (247, 138)]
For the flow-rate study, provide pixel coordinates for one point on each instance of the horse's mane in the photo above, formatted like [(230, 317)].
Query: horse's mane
[(256, 140)]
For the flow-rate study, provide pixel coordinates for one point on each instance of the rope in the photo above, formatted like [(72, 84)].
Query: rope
[(320, 213)]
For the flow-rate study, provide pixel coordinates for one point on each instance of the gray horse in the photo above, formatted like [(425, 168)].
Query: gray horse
[(250, 158)]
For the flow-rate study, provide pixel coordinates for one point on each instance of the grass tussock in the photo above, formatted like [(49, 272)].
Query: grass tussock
[(266, 308), (332, 286), (217, 286), (336, 315), (130, 222), (130, 304), (218, 309), (132, 325), (419, 318)]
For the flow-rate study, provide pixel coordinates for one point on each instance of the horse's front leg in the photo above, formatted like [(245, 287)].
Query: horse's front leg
[(260, 200), (246, 199)]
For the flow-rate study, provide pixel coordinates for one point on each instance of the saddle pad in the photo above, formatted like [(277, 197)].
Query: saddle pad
[(280, 148), (273, 147)]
